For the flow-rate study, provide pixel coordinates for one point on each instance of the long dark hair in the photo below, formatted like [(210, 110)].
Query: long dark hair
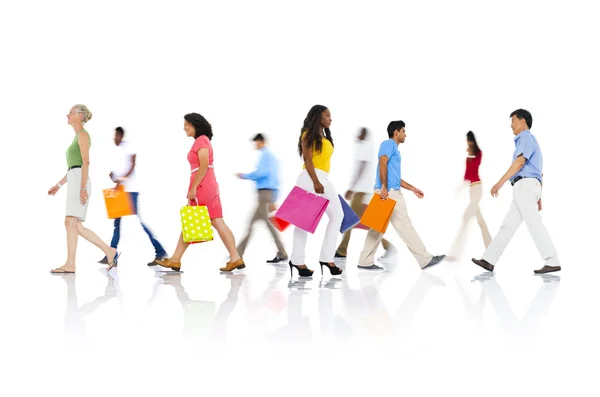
[(312, 127), (201, 125), (471, 138)]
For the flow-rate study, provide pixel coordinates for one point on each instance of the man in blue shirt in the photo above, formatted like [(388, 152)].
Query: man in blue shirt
[(525, 175), (388, 183), (266, 177)]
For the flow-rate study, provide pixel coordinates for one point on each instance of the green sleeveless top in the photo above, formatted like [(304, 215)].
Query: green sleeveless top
[(74, 152)]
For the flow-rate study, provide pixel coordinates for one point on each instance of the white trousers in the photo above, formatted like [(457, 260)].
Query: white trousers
[(472, 211), (526, 194), (334, 212)]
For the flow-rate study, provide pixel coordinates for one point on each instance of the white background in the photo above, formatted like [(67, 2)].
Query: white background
[(442, 67)]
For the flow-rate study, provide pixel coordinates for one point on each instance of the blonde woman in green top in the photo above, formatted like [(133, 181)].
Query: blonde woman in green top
[(78, 191)]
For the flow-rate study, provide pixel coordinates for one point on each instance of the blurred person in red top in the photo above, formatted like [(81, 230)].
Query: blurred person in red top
[(476, 193)]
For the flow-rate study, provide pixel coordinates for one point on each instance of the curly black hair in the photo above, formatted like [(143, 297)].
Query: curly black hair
[(312, 127), (201, 125)]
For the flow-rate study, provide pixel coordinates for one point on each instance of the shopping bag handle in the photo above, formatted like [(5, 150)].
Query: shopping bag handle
[(196, 200), (113, 192), (315, 194)]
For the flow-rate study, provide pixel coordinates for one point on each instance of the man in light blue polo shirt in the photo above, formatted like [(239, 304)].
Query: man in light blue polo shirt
[(266, 177), (525, 175), (387, 184)]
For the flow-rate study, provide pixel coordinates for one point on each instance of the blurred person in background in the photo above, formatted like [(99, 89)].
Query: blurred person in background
[(124, 174), (266, 178), (361, 191), (473, 162), (204, 190), (78, 191)]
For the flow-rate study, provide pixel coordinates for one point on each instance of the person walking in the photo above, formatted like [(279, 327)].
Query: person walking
[(388, 183), (124, 174), (473, 162), (315, 146), (204, 190), (361, 190), (525, 175), (79, 189), (266, 177)]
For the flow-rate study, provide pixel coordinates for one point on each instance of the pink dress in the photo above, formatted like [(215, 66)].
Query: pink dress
[(208, 192)]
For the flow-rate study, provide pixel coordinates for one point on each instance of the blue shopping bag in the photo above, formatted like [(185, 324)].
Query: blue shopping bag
[(350, 218)]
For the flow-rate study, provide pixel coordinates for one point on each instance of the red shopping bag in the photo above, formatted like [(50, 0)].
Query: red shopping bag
[(279, 224)]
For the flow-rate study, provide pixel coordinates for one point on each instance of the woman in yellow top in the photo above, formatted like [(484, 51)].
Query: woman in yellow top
[(316, 147)]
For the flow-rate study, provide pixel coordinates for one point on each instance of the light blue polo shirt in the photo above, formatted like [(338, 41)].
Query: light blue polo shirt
[(389, 148), (527, 145), (266, 175)]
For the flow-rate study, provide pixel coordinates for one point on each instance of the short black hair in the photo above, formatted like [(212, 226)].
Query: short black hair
[(201, 125), (393, 126), (523, 114), (258, 137), (120, 131)]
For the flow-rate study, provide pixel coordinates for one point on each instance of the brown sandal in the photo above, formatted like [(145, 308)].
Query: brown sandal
[(59, 270)]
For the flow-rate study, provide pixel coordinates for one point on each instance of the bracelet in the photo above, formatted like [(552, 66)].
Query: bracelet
[(59, 185), (83, 188)]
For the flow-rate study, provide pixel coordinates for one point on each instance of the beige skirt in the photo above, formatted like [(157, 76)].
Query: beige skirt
[(74, 206)]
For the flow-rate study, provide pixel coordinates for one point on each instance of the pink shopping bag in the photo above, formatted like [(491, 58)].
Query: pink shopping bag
[(302, 209)]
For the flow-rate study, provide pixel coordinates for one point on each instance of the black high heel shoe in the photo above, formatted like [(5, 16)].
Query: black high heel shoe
[(333, 270), (303, 272)]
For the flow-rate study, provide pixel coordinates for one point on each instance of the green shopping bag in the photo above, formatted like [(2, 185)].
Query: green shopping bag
[(195, 224)]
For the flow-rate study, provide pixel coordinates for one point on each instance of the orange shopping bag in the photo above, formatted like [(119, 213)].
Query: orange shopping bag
[(118, 202), (378, 213)]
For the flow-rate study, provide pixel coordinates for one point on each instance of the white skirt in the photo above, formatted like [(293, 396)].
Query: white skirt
[(74, 206)]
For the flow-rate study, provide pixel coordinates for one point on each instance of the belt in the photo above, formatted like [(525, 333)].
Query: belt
[(74, 166), (517, 179), (196, 169)]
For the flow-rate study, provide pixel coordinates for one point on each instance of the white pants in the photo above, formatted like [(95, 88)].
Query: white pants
[(472, 211), (334, 212), (526, 194)]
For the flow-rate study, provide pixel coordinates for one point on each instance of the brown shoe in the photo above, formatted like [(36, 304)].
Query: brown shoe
[(547, 269), (484, 264), (166, 262), (231, 266)]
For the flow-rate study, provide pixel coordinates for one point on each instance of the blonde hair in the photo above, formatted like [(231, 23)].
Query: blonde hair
[(87, 115)]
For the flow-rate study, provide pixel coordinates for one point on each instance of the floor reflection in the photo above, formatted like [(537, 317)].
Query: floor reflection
[(521, 334), (75, 326), (203, 325), (300, 315)]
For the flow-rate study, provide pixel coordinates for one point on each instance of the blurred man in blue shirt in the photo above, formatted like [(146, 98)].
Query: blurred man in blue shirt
[(525, 175), (266, 177)]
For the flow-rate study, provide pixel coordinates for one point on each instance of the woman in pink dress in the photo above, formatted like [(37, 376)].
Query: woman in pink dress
[(204, 190)]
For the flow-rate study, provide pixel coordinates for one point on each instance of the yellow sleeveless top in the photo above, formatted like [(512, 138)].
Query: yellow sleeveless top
[(322, 159)]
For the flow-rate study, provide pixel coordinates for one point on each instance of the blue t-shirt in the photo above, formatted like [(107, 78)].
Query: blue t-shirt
[(389, 148), (527, 145)]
